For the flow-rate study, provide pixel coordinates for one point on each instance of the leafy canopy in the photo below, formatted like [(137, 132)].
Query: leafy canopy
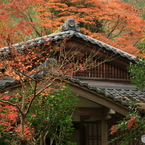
[(116, 23)]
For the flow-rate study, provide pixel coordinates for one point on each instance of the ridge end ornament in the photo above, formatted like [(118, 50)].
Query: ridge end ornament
[(71, 24)]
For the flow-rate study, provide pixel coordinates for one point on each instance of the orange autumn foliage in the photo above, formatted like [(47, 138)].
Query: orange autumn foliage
[(115, 23), (132, 121), (8, 115)]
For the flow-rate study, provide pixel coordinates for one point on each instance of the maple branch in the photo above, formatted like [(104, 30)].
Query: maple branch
[(136, 42), (121, 30), (26, 18), (113, 29), (33, 25), (36, 94), (14, 105), (45, 87), (30, 103)]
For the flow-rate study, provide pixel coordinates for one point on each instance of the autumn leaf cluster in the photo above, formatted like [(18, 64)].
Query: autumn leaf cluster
[(115, 23)]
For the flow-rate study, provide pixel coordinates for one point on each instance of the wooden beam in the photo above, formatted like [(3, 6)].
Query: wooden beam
[(98, 98), (81, 45), (94, 113), (91, 113)]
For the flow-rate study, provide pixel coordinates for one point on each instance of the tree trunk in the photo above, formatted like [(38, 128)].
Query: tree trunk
[(22, 124), (51, 141)]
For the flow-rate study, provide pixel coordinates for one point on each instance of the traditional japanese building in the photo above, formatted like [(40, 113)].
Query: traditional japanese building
[(105, 91)]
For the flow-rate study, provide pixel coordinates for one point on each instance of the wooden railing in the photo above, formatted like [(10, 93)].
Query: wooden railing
[(104, 70)]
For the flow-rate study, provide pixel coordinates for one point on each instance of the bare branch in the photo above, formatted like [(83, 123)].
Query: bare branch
[(33, 98), (14, 105)]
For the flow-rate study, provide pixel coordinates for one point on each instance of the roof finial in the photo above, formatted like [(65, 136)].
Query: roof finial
[(70, 24)]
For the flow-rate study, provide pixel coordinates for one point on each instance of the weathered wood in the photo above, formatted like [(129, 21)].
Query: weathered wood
[(104, 70), (99, 98), (104, 133)]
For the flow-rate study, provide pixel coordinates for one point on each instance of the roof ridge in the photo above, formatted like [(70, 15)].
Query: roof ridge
[(69, 30)]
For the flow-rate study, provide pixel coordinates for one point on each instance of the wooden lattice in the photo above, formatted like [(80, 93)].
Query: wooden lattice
[(104, 70)]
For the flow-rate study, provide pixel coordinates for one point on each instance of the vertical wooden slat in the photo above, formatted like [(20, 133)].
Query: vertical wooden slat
[(87, 135), (95, 72), (118, 73), (101, 70), (104, 70), (104, 76)]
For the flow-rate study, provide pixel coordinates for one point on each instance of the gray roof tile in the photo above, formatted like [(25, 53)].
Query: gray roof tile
[(7, 83), (121, 94), (68, 34)]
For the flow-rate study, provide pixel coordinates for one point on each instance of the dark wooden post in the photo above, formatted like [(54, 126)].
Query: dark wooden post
[(104, 134)]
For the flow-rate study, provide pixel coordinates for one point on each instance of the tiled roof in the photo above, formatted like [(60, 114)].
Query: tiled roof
[(7, 83), (122, 94), (68, 33)]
